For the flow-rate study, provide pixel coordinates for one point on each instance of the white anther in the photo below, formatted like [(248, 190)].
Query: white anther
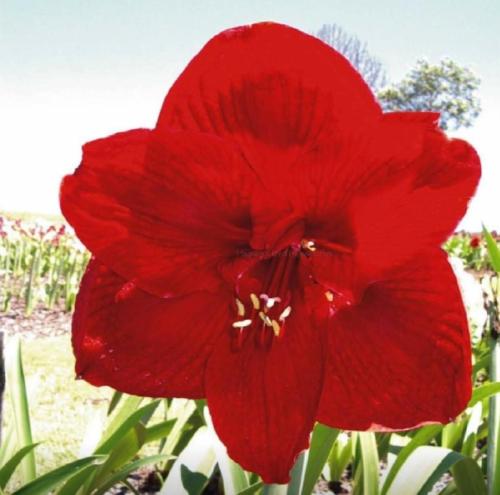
[(285, 314), (242, 323), (329, 296), (241, 307)]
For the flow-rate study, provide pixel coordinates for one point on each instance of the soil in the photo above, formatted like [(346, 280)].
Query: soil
[(41, 323)]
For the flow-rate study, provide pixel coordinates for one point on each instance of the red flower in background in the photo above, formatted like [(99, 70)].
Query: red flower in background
[(273, 245), (475, 241)]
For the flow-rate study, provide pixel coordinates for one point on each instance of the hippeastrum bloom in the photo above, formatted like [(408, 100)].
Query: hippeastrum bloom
[(273, 245)]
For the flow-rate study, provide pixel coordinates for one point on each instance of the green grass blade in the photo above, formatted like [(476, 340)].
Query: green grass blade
[(16, 384), (423, 436), (10, 466), (44, 484), (370, 463), (322, 440), (493, 250)]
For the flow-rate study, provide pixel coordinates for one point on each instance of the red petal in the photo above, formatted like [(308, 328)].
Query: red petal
[(401, 358), (417, 201), (142, 344), (271, 88), (263, 401), (162, 210)]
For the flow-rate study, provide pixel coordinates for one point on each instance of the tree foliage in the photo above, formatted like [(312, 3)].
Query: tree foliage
[(447, 88), (356, 52)]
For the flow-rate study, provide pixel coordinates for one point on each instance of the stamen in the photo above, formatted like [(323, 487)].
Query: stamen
[(241, 307), (242, 323), (255, 301), (276, 327), (329, 296), (285, 314), (265, 319)]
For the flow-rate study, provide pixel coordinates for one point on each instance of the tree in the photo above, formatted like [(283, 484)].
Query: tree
[(447, 88), (370, 68)]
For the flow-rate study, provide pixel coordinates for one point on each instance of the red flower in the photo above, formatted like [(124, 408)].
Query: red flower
[(273, 245), (475, 241)]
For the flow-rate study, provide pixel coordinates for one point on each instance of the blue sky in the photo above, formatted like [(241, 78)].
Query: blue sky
[(76, 70)]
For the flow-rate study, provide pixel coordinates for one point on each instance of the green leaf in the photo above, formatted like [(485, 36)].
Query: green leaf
[(126, 470), (473, 424), (254, 488), (184, 409), (10, 466), (19, 398), (129, 405), (340, 456), (274, 489), (192, 481), (198, 457), (493, 250), (423, 436), (297, 475), (119, 432), (483, 392), (422, 470), (452, 433), (493, 457), (44, 484), (74, 485), (468, 477), (159, 430), (114, 401), (322, 440), (370, 463), (124, 451)]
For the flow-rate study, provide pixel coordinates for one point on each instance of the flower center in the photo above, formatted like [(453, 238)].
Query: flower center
[(265, 303), (265, 311)]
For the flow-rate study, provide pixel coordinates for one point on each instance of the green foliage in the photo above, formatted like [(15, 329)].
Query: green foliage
[(40, 264), (447, 88)]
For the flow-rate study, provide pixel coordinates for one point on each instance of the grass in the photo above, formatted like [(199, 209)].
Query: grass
[(61, 407)]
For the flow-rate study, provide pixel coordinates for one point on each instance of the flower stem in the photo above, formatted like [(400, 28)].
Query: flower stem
[(275, 490)]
